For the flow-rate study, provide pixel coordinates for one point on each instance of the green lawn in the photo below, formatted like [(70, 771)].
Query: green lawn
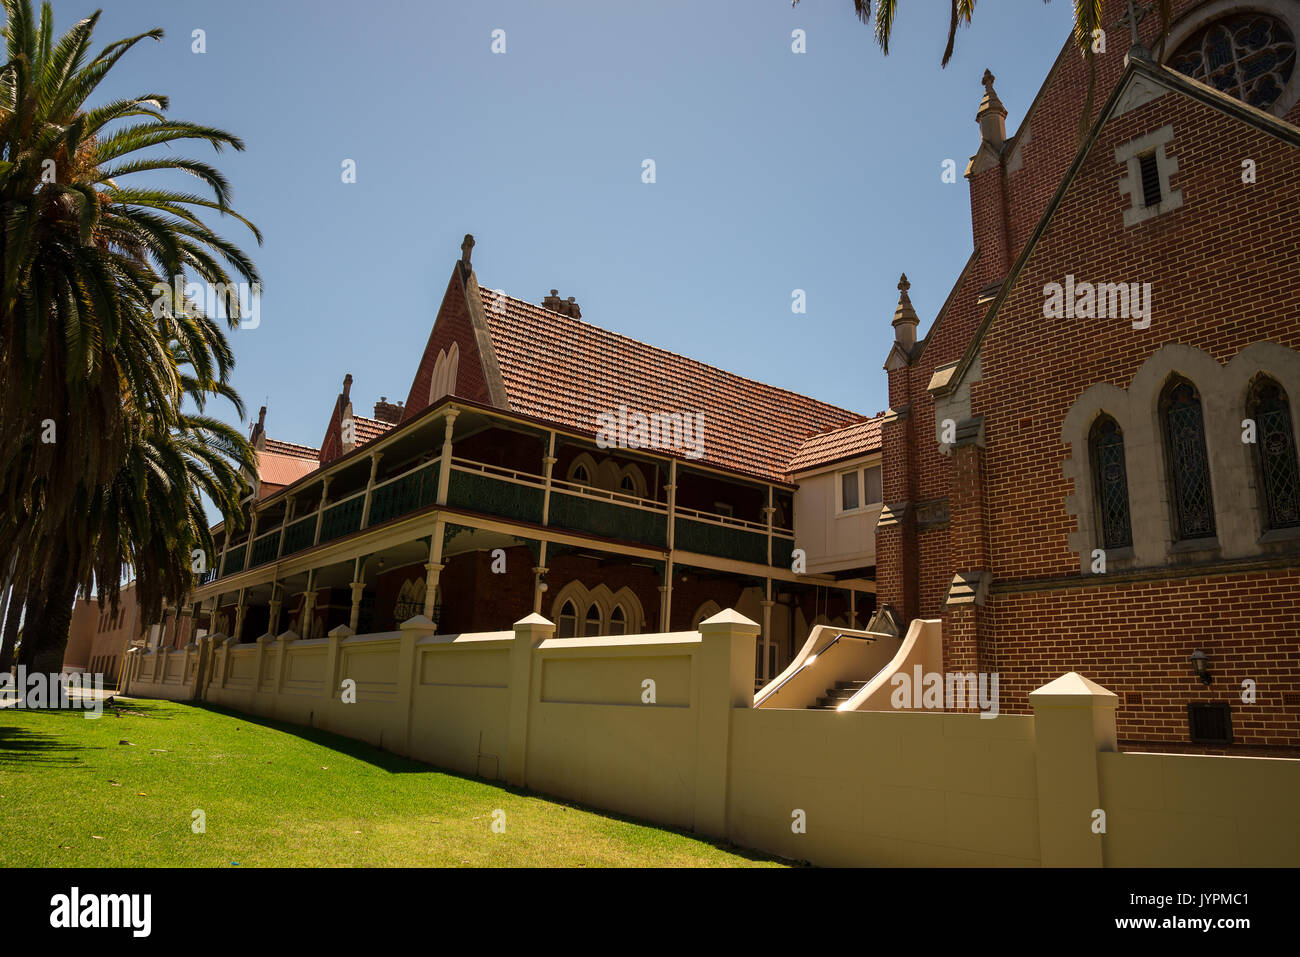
[(280, 795)]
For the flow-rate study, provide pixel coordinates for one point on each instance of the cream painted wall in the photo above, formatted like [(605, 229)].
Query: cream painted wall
[(830, 540), (574, 718)]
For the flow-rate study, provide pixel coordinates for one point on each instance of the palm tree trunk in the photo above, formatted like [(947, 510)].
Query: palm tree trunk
[(16, 601), (45, 633)]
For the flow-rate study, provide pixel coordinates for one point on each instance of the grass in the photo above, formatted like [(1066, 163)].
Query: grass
[(72, 795)]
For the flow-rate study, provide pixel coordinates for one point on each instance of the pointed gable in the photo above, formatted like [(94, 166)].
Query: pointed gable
[(457, 358)]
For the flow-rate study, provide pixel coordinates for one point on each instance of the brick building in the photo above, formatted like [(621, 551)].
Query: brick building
[(541, 463), (1090, 457)]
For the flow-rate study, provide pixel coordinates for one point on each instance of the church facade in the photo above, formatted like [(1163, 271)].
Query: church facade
[(1090, 458)]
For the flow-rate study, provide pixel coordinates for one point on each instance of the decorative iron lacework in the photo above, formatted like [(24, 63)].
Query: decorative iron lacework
[(1276, 454), (1246, 55), (1111, 477), (1189, 465)]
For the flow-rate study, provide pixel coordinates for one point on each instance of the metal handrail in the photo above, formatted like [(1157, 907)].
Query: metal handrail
[(811, 658)]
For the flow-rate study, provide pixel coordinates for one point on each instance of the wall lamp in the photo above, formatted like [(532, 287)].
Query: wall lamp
[(1201, 665)]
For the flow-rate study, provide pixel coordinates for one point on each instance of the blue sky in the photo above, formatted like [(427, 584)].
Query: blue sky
[(775, 172)]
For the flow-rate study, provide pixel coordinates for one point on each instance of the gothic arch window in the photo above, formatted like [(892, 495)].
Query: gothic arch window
[(445, 370), (592, 624), (582, 470), (1183, 423), (1246, 54), (618, 621), (1110, 483), (1275, 454), (704, 613), (567, 626)]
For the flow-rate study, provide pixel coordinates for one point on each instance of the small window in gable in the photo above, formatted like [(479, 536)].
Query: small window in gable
[(1149, 163), (1150, 170)]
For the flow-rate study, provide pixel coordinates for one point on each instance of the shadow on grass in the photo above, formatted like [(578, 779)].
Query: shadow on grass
[(22, 748), (397, 764)]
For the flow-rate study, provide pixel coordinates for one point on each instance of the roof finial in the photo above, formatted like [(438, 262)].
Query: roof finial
[(347, 386), (905, 318), (466, 248)]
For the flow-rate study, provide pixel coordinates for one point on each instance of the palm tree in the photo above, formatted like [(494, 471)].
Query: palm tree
[(95, 343), (1087, 20), (149, 520)]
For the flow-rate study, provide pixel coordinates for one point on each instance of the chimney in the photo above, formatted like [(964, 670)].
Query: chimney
[(568, 307), (258, 429), (385, 411), (905, 320)]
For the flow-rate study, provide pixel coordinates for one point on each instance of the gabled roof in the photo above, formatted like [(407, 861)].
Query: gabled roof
[(836, 445), (368, 430), (567, 371), (1162, 76), (292, 449), (276, 468)]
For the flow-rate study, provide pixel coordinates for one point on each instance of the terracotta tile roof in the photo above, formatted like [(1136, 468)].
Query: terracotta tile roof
[(367, 430), (275, 468), (567, 371), (292, 449), (835, 445)]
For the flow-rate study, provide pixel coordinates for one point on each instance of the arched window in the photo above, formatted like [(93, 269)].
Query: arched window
[(1110, 477), (627, 485), (567, 626), (1275, 454), (617, 621), (580, 475), (1189, 466), (591, 627)]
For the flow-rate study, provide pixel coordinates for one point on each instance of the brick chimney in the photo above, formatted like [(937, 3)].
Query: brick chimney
[(568, 307), (988, 198), (385, 411)]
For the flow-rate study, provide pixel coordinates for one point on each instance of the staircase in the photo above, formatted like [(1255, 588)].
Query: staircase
[(836, 696)]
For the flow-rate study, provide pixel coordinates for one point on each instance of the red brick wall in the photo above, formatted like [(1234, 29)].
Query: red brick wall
[(452, 324), (1223, 270)]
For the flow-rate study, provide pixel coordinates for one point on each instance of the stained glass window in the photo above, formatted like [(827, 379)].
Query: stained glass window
[(1111, 478), (1189, 465), (1275, 454), (1246, 55)]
